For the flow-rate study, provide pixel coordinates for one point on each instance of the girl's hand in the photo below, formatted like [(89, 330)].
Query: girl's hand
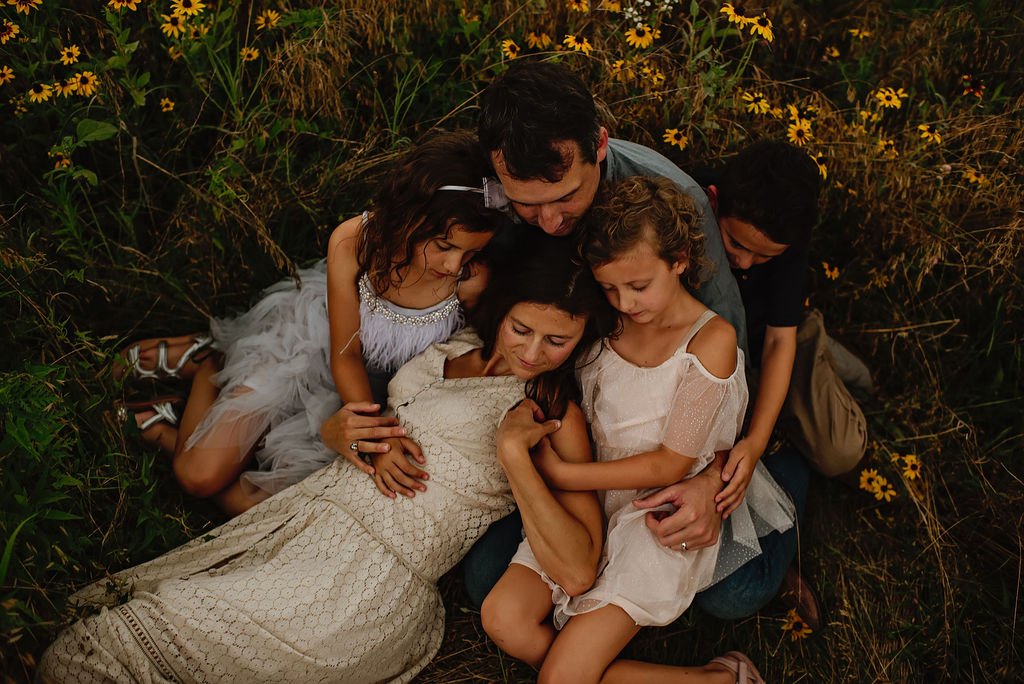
[(357, 423), (395, 472), (549, 464), (737, 472), (525, 426)]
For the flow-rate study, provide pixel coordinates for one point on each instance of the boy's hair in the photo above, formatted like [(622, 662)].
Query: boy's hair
[(411, 208), (529, 111), (645, 209), (773, 186), (545, 270)]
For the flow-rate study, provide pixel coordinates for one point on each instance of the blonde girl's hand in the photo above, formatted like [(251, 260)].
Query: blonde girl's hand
[(738, 471), (549, 464), (394, 470), (525, 426)]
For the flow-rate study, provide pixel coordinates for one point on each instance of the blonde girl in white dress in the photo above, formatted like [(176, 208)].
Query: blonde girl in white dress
[(388, 289), (661, 398)]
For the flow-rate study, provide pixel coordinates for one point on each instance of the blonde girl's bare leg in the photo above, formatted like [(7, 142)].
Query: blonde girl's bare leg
[(587, 645), (636, 672), (516, 615)]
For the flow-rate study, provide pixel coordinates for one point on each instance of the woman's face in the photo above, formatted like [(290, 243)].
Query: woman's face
[(536, 338)]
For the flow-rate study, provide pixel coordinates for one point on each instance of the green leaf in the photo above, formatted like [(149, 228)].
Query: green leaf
[(87, 175), (90, 130)]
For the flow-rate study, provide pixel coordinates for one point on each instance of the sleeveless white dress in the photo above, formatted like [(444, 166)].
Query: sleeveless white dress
[(679, 404), (276, 383), (328, 581)]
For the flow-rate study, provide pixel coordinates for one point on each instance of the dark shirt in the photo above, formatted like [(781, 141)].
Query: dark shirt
[(773, 294)]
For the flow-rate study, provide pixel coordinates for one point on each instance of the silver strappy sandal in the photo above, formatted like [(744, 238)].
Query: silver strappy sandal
[(162, 370)]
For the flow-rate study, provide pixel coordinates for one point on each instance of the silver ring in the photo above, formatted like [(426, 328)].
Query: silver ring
[(354, 446), (682, 546)]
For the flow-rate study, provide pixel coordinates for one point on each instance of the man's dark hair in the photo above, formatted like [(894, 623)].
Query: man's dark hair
[(525, 113), (773, 186)]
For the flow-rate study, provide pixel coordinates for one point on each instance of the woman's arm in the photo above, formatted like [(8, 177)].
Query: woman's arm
[(347, 367), (564, 528)]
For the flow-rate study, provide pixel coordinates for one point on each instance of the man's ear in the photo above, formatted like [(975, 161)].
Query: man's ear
[(602, 144), (712, 193)]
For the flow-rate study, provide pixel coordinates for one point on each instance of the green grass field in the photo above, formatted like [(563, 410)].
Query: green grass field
[(158, 166)]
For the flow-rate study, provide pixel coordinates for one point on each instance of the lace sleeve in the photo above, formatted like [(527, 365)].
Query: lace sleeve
[(706, 415)]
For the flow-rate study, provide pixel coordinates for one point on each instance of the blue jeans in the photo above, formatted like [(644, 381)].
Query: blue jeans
[(739, 595)]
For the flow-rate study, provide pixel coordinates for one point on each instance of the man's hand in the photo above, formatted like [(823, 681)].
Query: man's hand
[(737, 472), (695, 521), (394, 471), (357, 423)]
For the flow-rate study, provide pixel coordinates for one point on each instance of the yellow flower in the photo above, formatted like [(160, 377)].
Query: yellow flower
[(911, 467), (578, 44), (6, 75), (509, 48), (831, 52), (830, 273), (187, 8), (19, 105), (805, 112), (891, 98), (735, 15), (166, 104), (762, 26), (611, 6), (123, 4), (888, 148), (930, 133), (175, 53), (972, 86), (173, 26), (819, 159), (642, 36), (859, 34), (579, 5), (40, 92), (87, 83), (60, 159), (869, 479), (757, 103), (249, 54), (8, 30), (796, 626), (622, 71), (66, 86), (673, 136), (70, 54), (538, 41), (972, 176), (885, 492), (24, 6), (267, 20), (655, 76), (799, 132)]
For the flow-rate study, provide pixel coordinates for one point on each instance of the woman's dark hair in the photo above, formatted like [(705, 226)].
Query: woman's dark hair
[(411, 208), (541, 269), (528, 113)]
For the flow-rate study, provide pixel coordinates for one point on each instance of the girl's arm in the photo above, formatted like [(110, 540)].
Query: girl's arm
[(658, 468), (564, 528), (347, 366)]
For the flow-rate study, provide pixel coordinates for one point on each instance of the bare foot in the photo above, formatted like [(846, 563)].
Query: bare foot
[(160, 434)]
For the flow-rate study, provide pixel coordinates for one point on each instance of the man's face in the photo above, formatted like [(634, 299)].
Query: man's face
[(745, 245), (554, 207)]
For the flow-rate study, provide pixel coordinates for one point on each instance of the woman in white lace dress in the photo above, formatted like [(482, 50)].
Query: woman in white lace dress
[(328, 581)]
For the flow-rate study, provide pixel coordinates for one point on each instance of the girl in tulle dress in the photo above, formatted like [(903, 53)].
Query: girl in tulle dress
[(661, 398), (389, 288)]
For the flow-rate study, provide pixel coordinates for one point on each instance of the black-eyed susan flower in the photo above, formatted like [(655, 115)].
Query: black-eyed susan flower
[(198, 29), (166, 104), (972, 86), (673, 136), (578, 5), (831, 52), (972, 176), (911, 467), (799, 132), (87, 83), (859, 34), (469, 18), (572, 42), (930, 133), (25, 6), (509, 48), (175, 53), (249, 54), (19, 105), (538, 41), (6, 75), (173, 25), (869, 479), (611, 6), (831, 272), (66, 86), (756, 102), (735, 14), (762, 26), (623, 71), (803, 112), (267, 20), (796, 626), (8, 29), (187, 8), (40, 92), (885, 492), (60, 158), (119, 5), (654, 76), (887, 148), (642, 36), (70, 54), (891, 98), (819, 160)]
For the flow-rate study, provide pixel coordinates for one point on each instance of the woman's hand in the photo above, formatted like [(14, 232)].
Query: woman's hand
[(394, 471), (357, 423), (524, 426), (737, 472)]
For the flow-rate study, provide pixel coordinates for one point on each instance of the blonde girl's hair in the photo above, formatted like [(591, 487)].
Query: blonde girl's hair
[(651, 210)]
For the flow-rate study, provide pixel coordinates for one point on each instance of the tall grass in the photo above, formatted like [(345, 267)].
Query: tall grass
[(120, 220)]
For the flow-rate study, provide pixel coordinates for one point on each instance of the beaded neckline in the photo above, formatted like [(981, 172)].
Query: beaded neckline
[(376, 304)]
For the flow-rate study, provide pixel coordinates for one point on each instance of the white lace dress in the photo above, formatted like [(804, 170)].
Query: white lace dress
[(276, 384), (631, 410), (329, 581)]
